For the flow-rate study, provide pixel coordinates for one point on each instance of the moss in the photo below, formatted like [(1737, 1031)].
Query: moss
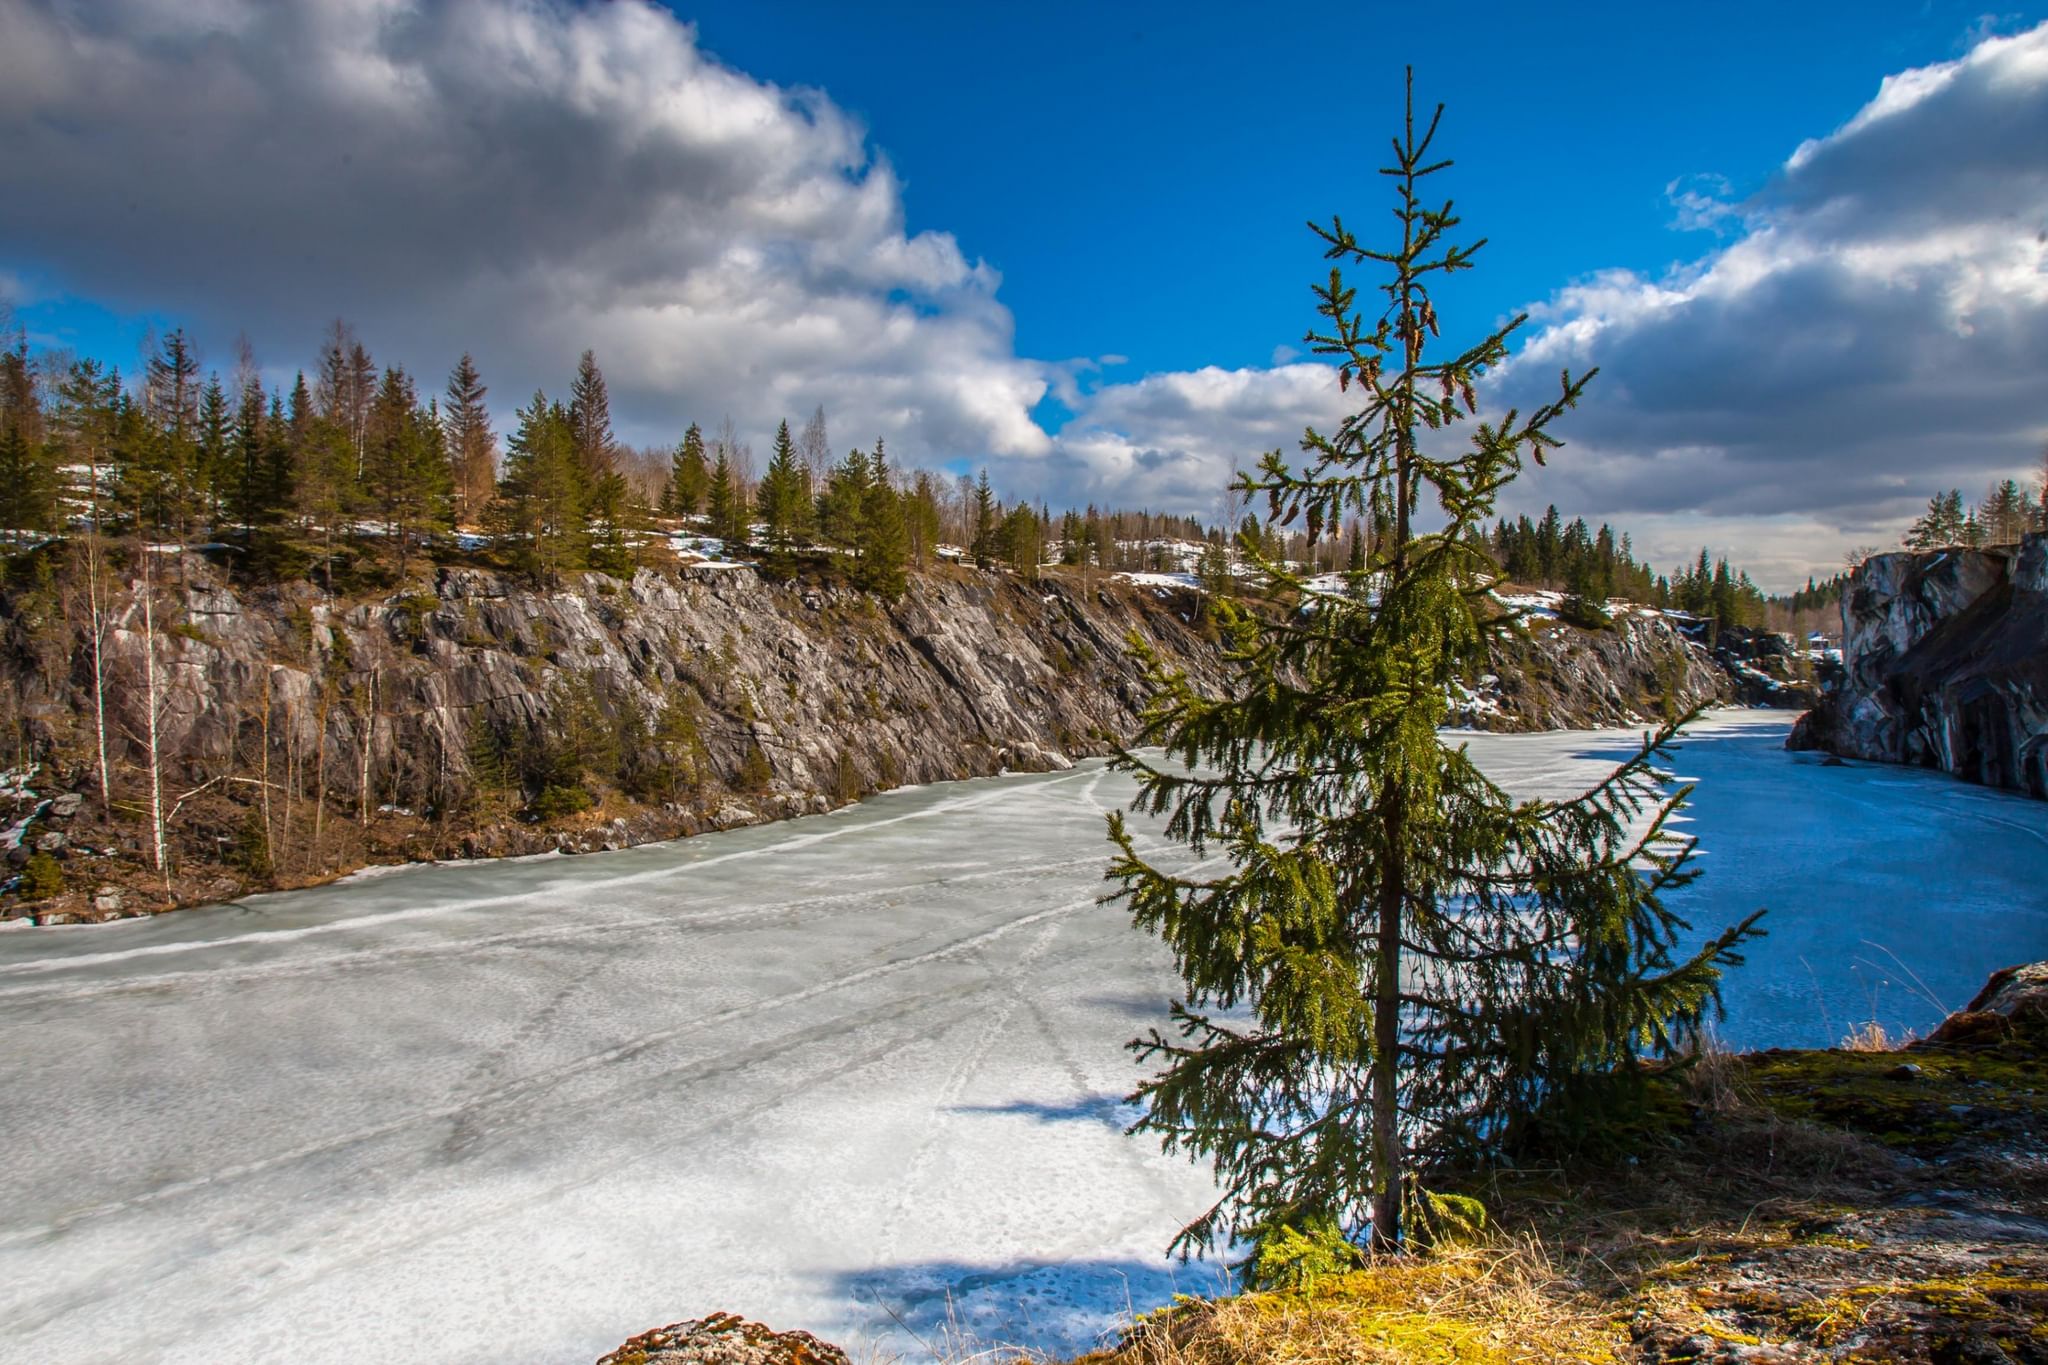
[(1950, 1096)]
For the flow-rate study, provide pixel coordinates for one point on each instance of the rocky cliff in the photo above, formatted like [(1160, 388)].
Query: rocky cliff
[(471, 715), (1553, 675), (1944, 665)]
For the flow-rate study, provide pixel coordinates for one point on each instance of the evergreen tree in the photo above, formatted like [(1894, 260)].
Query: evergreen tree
[(1412, 961), (728, 502), (844, 503), (689, 479), (2006, 514), (88, 403), (984, 547), (1022, 540), (28, 486), (472, 445), (590, 422), (921, 517), (884, 543), (785, 508), (167, 464), (214, 466), (541, 498), (408, 477)]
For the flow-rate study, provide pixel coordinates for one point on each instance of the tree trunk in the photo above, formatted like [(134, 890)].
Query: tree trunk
[(1386, 1021), (156, 782), (99, 663)]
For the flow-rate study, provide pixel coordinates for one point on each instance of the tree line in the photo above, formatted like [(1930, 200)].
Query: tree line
[(2007, 511)]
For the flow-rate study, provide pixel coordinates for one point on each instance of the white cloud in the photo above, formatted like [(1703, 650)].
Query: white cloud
[(523, 178), (1877, 331)]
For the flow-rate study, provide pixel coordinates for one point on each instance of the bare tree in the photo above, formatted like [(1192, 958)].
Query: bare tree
[(814, 448), (151, 711)]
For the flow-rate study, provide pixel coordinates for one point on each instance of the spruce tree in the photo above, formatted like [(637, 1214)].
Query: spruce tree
[(1390, 963), (728, 503), (984, 547), (541, 499), (472, 447), (845, 501), (28, 485), (408, 476), (689, 479), (590, 421), (884, 543), (785, 506)]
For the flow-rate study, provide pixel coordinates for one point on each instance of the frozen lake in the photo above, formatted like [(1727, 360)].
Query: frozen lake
[(857, 1074)]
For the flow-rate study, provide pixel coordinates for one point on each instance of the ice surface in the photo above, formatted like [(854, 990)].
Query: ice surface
[(858, 1073)]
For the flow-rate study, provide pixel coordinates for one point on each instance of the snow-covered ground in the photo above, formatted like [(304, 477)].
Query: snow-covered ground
[(844, 1073)]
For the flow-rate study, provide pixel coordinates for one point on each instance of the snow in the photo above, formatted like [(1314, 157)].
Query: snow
[(1161, 580), (826, 1073)]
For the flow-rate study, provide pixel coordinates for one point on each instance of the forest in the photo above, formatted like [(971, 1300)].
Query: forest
[(355, 475)]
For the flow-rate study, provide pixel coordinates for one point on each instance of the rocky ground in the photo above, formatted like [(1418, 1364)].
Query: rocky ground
[(1886, 1207), (796, 697)]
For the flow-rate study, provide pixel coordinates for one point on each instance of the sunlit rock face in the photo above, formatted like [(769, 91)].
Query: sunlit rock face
[(1945, 659)]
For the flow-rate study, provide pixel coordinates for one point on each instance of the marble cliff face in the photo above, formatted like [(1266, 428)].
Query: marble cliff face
[(1944, 665)]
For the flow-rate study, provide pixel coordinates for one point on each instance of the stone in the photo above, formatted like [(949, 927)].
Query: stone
[(67, 805), (19, 855), (107, 900), (724, 1339), (2013, 1002), (53, 841), (1945, 665), (1904, 1071)]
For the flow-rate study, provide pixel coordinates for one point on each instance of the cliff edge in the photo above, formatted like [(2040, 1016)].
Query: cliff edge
[(1944, 665)]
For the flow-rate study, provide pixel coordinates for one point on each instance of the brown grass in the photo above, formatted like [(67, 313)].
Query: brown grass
[(1502, 1302)]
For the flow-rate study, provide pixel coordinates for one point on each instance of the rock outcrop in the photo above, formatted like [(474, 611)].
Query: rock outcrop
[(1556, 676), (724, 1339), (1944, 665), (469, 714)]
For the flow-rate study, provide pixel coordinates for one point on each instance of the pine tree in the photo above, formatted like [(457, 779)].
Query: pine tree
[(213, 464), (984, 547), (1413, 961), (472, 446), (28, 486), (884, 543), (169, 462), (785, 508), (689, 479), (728, 502), (2005, 515), (844, 503), (541, 498), (323, 477), (408, 477), (921, 517), (590, 421)]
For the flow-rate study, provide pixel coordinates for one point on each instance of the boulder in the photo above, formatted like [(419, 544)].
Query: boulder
[(724, 1339), (107, 900), (66, 806), (2013, 1003), (1945, 665), (50, 842)]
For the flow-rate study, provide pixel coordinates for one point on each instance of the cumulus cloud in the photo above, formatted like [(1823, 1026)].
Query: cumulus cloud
[(523, 178), (1875, 328), (1878, 330)]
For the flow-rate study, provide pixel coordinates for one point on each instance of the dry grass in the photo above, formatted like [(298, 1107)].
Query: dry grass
[(1871, 1037), (1498, 1303)]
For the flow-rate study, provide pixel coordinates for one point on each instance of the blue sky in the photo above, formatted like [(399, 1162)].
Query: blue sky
[(1066, 241), (1141, 179)]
